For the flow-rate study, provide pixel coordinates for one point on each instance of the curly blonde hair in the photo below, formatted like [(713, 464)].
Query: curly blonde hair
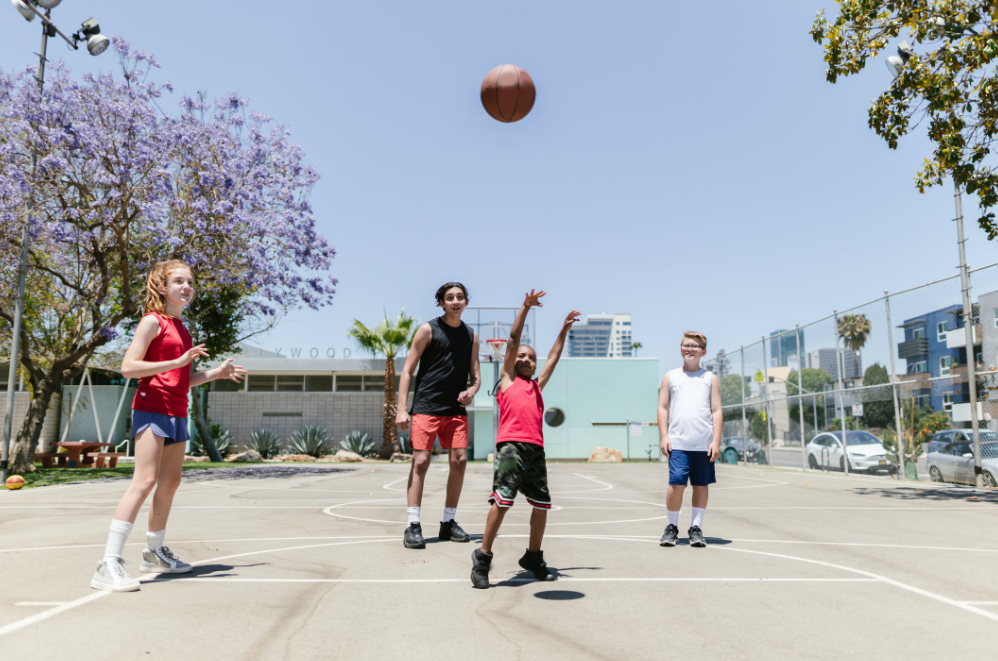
[(158, 278)]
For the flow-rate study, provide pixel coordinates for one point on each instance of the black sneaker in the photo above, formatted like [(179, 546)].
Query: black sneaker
[(533, 561), (696, 537), (670, 536), (413, 537), (480, 565), (451, 532)]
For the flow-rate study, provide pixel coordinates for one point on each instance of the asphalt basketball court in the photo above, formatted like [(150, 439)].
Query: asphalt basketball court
[(798, 565)]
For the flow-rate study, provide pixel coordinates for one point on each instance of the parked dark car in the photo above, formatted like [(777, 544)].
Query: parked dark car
[(747, 449)]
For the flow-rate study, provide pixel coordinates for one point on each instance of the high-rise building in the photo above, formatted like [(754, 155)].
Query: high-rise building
[(783, 348), (828, 360), (601, 336)]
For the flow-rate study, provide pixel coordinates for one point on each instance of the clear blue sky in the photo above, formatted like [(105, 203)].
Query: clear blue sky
[(692, 168)]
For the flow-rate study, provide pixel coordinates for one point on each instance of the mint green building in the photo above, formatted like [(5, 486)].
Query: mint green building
[(596, 397)]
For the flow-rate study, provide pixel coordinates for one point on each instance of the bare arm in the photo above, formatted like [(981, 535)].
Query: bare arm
[(555, 354), (133, 365), (224, 371), (717, 418), (663, 416), (466, 397), (419, 343), (515, 333)]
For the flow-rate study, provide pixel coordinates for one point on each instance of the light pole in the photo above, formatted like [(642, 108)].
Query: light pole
[(96, 44), (895, 64)]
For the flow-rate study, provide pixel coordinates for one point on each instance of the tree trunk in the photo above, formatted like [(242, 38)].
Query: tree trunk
[(22, 456), (389, 438), (201, 426)]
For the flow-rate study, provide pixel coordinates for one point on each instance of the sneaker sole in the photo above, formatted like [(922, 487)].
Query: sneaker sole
[(698, 545), (111, 588), (668, 544), (149, 569), (413, 546), (459, 540)]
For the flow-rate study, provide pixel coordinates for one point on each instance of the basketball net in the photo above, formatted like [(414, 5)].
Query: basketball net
[(498, 347)]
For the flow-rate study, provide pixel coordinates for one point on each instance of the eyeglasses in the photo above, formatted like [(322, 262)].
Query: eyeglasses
[(690, 347)]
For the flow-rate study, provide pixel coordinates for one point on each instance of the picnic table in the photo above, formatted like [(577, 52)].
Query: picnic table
[(78, 452)]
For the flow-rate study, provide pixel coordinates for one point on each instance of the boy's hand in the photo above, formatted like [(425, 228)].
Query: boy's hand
[(402, 420), (572, 317), (533, 299), (713, 452), (666, 446), (465, 398)]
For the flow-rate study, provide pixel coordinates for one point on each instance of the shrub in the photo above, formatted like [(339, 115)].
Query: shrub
[(223, 442), (266, 442), (310, 440), (359, 443), (405, 442)]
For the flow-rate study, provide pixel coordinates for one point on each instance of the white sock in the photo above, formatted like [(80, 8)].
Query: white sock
[(413, 513), (698, 513), (673, 517), (154, 540), (116, 539), (449, 513)]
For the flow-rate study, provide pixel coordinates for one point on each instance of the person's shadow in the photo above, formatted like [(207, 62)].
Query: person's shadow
[(215, 571), (711, 541), (525, 577)]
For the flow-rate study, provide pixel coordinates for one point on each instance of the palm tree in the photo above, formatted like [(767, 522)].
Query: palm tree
[(854, 329), (635, 346), (389, 339)]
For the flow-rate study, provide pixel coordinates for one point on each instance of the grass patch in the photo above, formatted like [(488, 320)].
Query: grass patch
[(44, 477)]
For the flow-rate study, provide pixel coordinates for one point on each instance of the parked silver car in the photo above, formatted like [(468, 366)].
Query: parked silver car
[(955, 463)]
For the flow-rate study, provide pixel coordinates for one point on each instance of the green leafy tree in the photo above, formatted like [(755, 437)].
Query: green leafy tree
[(390, 339), (878, 403), (734, 390), (813, 382), (635, 346), (946, 81), (757, 427)]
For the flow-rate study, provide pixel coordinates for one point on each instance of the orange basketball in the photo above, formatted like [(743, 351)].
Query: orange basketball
[(508, 93), (15, 482)]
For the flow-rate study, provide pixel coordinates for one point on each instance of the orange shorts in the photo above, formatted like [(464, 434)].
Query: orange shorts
[(452, 430)]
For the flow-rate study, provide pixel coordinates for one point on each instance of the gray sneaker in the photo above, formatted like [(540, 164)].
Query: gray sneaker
[(162, 561), (111, 576)]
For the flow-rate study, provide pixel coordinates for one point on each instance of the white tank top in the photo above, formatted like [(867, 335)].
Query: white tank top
[(691, 424)]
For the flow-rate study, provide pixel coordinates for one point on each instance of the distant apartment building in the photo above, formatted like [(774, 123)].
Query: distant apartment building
[(934, 343), (828, 360), (601, 336), (783, 348)]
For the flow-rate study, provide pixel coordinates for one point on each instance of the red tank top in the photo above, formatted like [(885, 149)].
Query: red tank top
[(521, 413), (166, 392)]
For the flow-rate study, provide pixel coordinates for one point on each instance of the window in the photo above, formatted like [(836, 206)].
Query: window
[(941, 329), (374, 383), (290, 382), (922, 401), (226, 385), (919, 367), (349, 383), (319, 383), (945, 363), (919, 333), (948, 402), (979, 357), (260, 383), (996, 317)]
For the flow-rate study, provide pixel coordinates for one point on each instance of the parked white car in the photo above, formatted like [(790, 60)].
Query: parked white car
[(866, 452), (955, 463)]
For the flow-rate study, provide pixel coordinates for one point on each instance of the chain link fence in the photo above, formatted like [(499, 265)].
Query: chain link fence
[(879, 388)]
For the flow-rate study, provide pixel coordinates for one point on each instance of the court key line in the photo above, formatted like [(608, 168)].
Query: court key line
[(560, 579)]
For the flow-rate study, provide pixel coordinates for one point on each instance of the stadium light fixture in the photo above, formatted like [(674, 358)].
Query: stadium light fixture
[(25, 11)]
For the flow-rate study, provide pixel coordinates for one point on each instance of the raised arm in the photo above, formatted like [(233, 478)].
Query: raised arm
[(555, 354), (530, 300), (420, 341), (663, 416)]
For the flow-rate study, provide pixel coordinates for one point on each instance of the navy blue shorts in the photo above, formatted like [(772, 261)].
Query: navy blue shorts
[(174, 430), (690, 465)]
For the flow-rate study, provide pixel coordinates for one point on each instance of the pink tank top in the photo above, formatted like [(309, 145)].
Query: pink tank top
[(521, 413), (166, 392)]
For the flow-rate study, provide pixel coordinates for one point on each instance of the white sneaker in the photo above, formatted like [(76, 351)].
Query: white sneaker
[(111, 576), (162, 561)]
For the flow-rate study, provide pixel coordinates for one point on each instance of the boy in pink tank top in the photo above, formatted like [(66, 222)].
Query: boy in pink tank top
[(519, 461)]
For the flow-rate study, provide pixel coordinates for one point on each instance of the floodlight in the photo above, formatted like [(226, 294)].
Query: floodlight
[(48, 4), (895, 64), (96, 42), (24, 9), (905, 51)]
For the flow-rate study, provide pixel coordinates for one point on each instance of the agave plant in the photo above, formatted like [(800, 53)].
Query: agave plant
[(310, 440), (223, 442), (359, 443), (266, 442), (405, 442)]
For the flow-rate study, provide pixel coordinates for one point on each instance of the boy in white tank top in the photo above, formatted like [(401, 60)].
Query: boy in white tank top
[(689, 424)]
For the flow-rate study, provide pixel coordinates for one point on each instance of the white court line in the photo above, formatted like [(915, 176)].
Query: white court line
[(561, 579), (40, 603), (199, 541), (788, 541), (980, 603), (606, 487), (389, 485)]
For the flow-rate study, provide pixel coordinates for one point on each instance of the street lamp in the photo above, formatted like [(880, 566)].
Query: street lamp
[(905, 51), (96, 44)]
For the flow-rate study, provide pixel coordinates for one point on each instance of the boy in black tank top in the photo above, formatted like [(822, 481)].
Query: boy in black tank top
[(446, 350)]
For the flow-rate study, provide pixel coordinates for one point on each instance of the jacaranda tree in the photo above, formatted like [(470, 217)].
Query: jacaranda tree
[(120, 185)]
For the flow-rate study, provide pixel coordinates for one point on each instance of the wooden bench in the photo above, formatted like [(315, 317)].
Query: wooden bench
[(106, 459), (53, 459)]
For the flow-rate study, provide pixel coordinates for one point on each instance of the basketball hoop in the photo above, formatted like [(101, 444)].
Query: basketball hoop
[(498, 347)]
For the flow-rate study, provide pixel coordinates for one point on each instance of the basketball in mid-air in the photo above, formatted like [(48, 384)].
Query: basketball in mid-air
[(508, 93)]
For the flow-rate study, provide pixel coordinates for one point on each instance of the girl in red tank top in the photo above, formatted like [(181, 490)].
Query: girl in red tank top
[(160, 358)]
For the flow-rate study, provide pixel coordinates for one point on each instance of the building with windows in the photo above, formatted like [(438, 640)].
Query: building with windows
[(828, 360), (783, 348), (934, 343), (601, 336)]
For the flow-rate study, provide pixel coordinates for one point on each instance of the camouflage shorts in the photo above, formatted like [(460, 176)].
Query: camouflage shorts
[(520, 467)]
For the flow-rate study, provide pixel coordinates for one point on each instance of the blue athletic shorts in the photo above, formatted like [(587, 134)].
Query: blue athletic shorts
[(690, 465), (174, 430)]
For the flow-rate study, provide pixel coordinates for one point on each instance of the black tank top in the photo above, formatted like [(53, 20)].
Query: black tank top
[(444, 369)]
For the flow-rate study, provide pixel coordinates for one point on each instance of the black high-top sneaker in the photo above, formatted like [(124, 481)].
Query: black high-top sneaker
[(670, 536), (696, 537), (481, 563), (533, 562), (451, 532), (413, 537)]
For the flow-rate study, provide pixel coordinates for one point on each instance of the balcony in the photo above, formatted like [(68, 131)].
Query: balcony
[(916, 347), (957, 338)]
